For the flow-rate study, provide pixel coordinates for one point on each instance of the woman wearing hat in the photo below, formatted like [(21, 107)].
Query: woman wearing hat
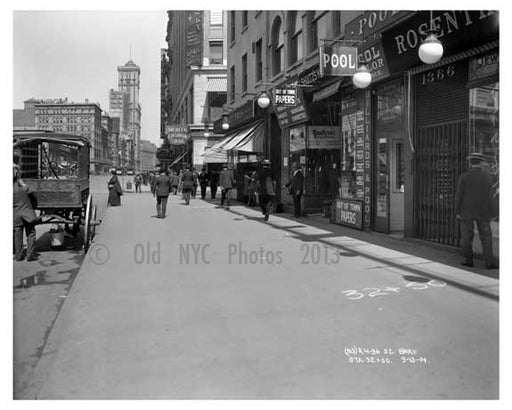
[(473, 203)]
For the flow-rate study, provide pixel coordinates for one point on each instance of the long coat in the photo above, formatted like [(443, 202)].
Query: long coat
[(296, 183), (22, 207), (161, 186), (189, 180), (473, 199), (114, 191)]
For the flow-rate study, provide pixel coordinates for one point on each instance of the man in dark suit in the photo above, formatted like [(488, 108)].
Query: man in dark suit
[(161, 188), (24, 219), (227, 183), (473, 203), (296, 188)]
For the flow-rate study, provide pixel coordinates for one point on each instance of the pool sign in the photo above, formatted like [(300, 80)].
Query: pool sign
[(336, 60)]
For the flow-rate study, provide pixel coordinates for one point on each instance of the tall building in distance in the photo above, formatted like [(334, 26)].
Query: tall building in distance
[(76, 118), (119, 107), (129, 83), (196, 79)]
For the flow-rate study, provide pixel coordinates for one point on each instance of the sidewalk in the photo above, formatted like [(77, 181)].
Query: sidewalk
[(441, 262)]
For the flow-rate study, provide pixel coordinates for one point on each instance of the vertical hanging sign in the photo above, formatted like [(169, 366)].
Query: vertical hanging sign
[(367, 160), (194, 38)]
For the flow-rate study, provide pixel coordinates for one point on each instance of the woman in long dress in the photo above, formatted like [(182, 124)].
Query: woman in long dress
[(114, 191)]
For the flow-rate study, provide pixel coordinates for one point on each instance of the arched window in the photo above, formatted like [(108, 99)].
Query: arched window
[(295, 33), (277, 46)]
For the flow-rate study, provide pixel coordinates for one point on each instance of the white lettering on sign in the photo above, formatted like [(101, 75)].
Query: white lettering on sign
[(443, 24), (285, 99), (339, 61)]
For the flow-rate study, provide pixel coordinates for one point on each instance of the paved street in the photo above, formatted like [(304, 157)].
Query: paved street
[(210, 303), (40, 289)]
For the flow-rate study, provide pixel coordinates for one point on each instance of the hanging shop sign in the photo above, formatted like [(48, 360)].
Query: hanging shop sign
[(349, 212), (285, 96), (371, 22), (288, 116), (323, 137), (337, 60), (457, 30), (373, 56), (194, 38), (176, 134), (310, 75)]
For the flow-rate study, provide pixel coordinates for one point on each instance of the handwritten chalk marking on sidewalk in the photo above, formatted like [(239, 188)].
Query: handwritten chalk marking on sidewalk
[(387, 355), (355, 294)]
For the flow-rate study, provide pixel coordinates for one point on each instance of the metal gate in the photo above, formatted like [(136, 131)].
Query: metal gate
[(440, 158)]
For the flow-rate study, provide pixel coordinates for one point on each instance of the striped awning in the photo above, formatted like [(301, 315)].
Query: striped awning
[(456, 57), (217, 85)]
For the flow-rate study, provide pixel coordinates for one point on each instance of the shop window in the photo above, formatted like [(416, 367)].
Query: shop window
[(398, 157), (484, 127)]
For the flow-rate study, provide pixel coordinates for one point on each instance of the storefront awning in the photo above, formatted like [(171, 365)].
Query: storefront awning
[(327, 91), (253, 142), (217, 85), (231, 141)]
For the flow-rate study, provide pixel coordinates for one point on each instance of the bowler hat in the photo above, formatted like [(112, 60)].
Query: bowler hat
[(477, 156)]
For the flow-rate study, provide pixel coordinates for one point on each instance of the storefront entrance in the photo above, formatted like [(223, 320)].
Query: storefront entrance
[(389, 164)]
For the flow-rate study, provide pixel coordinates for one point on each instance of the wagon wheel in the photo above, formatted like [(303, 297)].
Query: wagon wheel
[(89, 229)]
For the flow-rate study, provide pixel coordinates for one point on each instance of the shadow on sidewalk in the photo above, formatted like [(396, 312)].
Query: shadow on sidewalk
[(450, 257)]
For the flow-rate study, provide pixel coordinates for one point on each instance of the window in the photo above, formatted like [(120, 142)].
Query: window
[(244, 19), (313, 32), (277, 47), (296, 37), (259, 61), (232, 83), (216, 17), (336, 26), (216, 52), (244, 72), (233, 27)]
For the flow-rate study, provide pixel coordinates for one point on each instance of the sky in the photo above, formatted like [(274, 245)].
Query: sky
[(75, 54)]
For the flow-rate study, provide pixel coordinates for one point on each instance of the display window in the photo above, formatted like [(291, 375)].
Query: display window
[(484, 127)]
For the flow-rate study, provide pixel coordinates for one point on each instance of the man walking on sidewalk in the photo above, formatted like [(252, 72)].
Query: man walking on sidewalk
[(473, 203), (227, 182), (296, 187), (266, 188), (161, 188)]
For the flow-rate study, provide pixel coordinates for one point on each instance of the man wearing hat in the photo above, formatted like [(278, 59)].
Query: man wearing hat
[(24, 219), (473, 203), (265, 186)]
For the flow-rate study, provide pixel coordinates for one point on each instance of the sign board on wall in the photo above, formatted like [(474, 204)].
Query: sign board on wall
[(297, 138), (323, 137), (457, 29), (375, 59), (176, 134), (337, 60), (194, 38), (371, 22), (348, 212)]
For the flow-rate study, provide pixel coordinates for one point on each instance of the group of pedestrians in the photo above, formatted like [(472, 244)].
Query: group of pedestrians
[(473, 200)]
